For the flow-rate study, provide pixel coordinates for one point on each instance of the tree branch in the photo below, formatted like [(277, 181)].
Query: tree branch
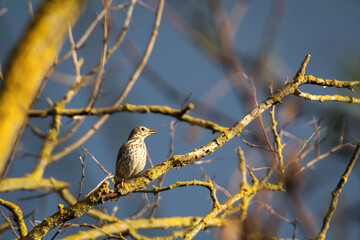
[(336, 193), (32, 184), (65, 214), (165, 110), (18, 216), (24, 75)]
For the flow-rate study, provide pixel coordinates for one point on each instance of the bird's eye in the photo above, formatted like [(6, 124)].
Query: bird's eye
[(142, 129)]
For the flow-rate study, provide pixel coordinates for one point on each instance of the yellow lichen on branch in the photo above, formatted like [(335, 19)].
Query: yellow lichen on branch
[(18, 216), (32, 184), (144, 223), (331, 83), (65, 214), (28, 65), (164, 110), (246, 192), (323, 98)]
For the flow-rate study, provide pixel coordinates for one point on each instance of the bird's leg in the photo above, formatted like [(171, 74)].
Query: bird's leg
[(118, 185), (121, 183)]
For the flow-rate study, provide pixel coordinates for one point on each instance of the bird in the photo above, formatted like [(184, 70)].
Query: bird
[(131, 159)]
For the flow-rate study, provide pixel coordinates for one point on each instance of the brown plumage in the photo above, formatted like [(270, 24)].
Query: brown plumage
[(131, 159)]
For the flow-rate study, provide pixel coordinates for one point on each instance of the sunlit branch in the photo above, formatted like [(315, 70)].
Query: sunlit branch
[(336, 193)]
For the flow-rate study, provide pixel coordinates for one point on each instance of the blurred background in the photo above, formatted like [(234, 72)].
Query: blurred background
[(214, 54)]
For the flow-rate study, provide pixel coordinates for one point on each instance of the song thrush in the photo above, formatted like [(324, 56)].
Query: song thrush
[(131, 159)]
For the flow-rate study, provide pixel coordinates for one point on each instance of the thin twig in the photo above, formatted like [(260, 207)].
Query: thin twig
[(98, 81), (297, 156), (336, 194), (258, 146), (322, 156), (97, 162), (36, 130), (30, 8), (216, 186), (90, 29), (82, 160), (7, 219), (143, 209), (275, 213), (58, 231)]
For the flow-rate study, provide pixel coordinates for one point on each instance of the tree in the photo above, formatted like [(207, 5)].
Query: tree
[(269, 192)]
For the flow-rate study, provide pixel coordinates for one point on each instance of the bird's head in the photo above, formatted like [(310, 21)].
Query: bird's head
[(141, 132)]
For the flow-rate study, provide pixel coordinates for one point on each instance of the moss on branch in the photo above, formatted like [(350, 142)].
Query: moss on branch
[(164, 110), (66, 214), (24, 74)]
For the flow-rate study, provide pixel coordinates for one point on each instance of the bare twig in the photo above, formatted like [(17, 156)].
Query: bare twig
[(144, 208), (82, 160), (257, 146), (336, 194), (7, 219), (216, 186), (36, 130), (96, 161), (322, 156), (298, 156), (275, 213), (31, 10), (98, 81)]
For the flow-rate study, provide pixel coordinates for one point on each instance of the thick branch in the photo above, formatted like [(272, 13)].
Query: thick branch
[(71, 200), (24, 74), (65, 214), (32, 184), (124, 226)]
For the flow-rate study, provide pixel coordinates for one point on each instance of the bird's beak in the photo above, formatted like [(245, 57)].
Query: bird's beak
[(151, 131)]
